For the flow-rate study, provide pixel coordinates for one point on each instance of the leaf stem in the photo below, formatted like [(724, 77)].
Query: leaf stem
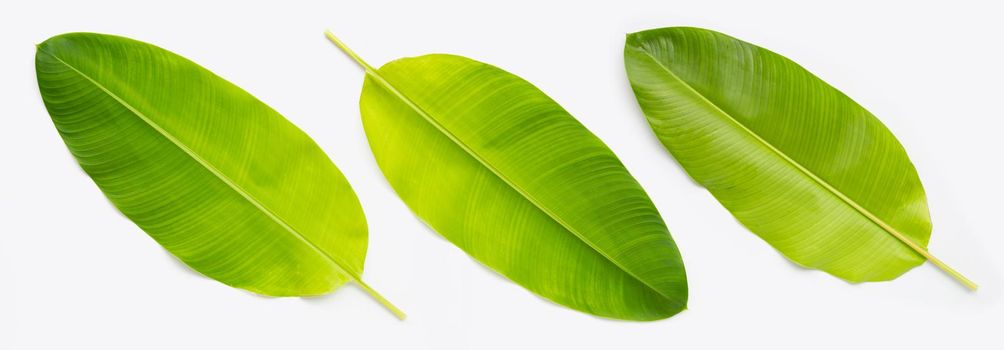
[(379, 298), (373, 293), (937, 262), (352, 54)]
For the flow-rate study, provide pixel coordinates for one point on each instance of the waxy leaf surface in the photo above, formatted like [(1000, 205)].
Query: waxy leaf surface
[(799, 163), (214, 175), (503, 172)]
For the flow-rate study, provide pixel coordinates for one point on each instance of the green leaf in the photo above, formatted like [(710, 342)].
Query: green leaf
[(503, 172), (795, 160), (219, 179)]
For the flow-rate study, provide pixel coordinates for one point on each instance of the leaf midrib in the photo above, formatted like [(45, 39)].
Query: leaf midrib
[(526, 195), (212, 169), (808, 173)]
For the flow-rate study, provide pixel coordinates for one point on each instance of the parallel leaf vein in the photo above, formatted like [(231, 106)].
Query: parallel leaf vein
[(212, 169), (460, 143), (816, 179)]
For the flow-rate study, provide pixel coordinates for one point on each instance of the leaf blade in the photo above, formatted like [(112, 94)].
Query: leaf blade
[(440, 167), (686, 77), (124, 108)]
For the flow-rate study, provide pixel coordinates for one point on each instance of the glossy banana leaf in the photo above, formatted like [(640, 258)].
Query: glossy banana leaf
[(503, 172), (219, 179), (795, 160)]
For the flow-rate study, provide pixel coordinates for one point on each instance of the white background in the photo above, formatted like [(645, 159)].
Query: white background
[(76, 274)]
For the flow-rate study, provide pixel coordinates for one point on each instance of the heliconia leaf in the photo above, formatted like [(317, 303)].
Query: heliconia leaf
[(795, 160), (503, 172), (219, 179)]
